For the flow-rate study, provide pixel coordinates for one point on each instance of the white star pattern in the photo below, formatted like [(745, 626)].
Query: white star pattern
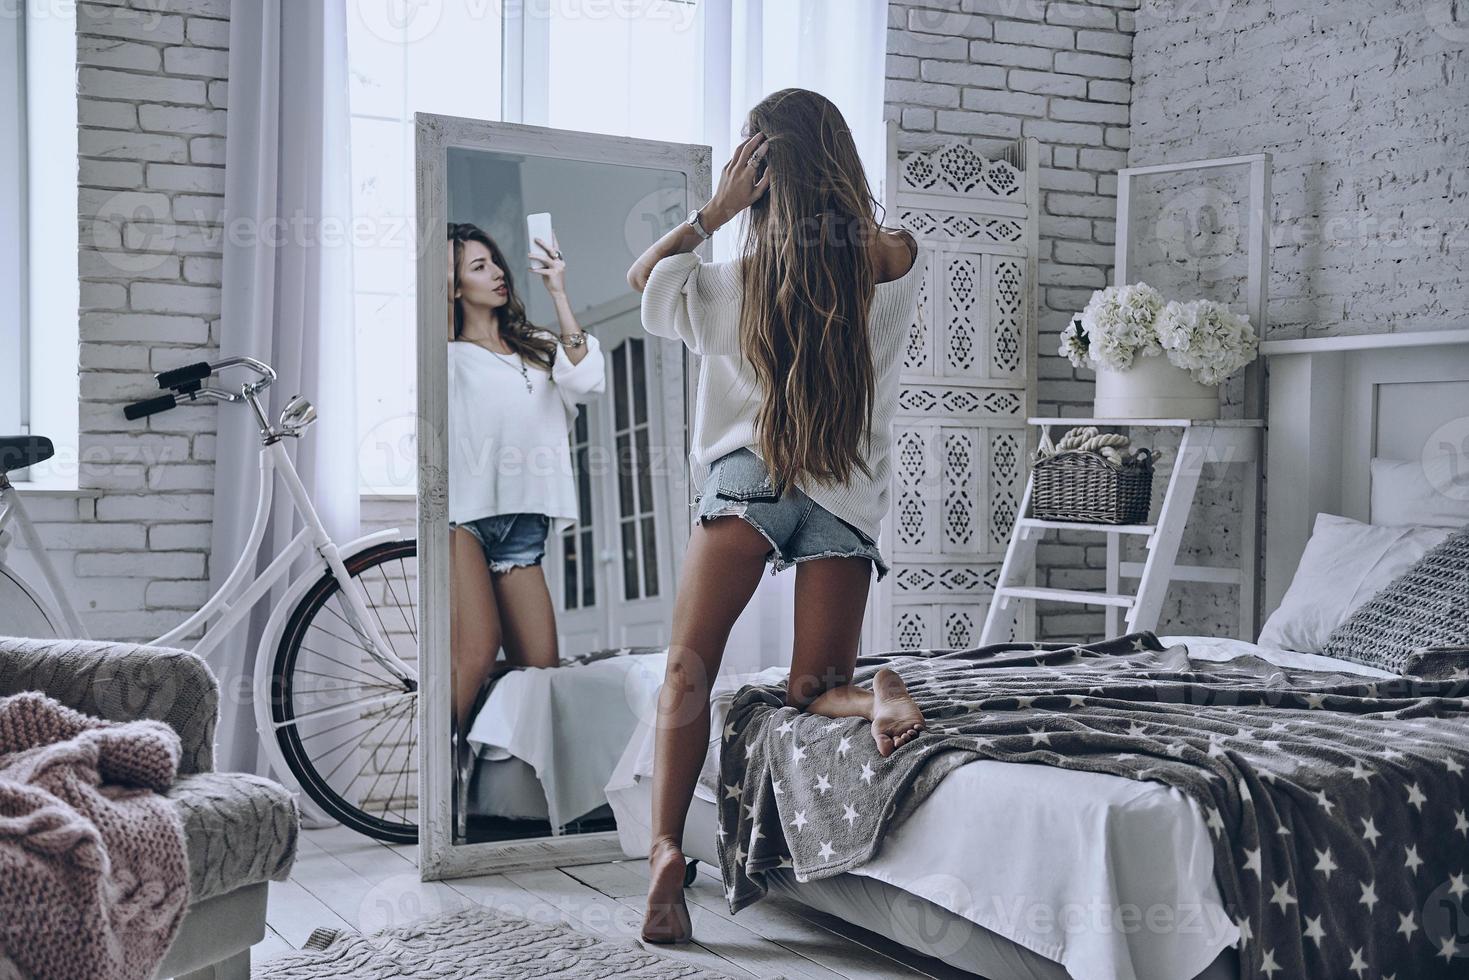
[(1461, 822), (1453, 766), (786, 726), (1075, 701), (849, 815), (826, 850), (1038, 737), (1315, 700), (845, 745), (734, 792), (1457, 885), (1416, 797), (1360, 771), (1135, 729), (822, 784), (1252, 861), (1370, 831), (1216, 822), (1246, 931), (1369, 896), (1406, 925), (1324, 863), (800, 822), (776, 788), (1448, 949), (1313, 930), (867, 773), (1414, 862), (1282, 896), (729, 731), (1268, 966), (797, 753), (1358, 965), (1323, 802)]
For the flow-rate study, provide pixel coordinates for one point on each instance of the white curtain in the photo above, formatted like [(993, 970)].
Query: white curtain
[(287, 300), (753, 48)]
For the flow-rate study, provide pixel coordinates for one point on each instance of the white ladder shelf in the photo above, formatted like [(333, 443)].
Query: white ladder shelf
[(1223, 442)]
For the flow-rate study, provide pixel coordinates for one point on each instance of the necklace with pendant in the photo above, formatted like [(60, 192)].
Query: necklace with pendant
[(520, 363)]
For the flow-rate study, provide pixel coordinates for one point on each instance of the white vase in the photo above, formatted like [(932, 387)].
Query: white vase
[(1153, 388)]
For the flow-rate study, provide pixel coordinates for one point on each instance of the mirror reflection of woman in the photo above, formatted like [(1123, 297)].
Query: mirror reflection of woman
[(802, 336), (513, 391)]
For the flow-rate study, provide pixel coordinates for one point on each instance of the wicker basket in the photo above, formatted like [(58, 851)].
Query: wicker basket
[(1087, 488)]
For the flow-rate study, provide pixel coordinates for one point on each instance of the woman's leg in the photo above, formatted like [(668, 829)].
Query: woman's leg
[(474, 621), (529, 616), (831, 599), (721, 569)]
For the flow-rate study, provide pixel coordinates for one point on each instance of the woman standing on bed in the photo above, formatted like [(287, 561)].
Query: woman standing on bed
[(802, 338), (513, 390)]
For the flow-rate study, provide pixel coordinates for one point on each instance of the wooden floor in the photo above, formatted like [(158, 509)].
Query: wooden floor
[(343, 880)]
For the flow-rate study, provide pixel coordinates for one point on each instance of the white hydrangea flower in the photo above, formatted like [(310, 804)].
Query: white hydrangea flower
[(1118, 326), (1074, 345), (1206, 339)]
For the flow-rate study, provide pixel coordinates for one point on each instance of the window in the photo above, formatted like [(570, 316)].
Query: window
[(575, 64), (38, 258)]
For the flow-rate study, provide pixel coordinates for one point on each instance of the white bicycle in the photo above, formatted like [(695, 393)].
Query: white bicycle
[(336, 684)]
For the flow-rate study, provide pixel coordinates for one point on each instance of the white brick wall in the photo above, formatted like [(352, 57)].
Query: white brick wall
[(988, 71), (1363, 106), (150, 107)]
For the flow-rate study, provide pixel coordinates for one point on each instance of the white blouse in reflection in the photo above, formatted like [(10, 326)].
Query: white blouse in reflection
[(509, 449)]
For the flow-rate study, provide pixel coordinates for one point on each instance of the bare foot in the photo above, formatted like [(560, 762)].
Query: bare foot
[(667, 918), (896, 720)]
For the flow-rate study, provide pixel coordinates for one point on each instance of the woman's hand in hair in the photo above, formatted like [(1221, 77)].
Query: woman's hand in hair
[(549, 265), (740, 185)]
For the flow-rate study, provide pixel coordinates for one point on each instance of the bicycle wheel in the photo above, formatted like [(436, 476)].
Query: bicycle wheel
[(22, 613), (347, 726)]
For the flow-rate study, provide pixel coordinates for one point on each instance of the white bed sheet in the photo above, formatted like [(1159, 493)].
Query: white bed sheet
[(1110, 877), (570, 724)]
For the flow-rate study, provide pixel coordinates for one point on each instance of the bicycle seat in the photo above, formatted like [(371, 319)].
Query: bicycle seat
[(18, 452)]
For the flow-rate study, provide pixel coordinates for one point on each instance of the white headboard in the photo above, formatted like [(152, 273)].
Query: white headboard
[(1335, 403)]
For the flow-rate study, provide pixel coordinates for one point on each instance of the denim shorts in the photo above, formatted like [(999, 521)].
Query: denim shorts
[(797, 527), (510, 540)]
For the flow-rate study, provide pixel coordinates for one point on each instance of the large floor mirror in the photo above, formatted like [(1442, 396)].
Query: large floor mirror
[(553, 489)]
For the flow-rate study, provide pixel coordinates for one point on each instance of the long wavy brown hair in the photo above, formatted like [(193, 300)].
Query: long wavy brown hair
[(807, 287), (515, 330)]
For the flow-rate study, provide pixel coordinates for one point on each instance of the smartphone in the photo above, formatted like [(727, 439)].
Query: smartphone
[(538, 225)]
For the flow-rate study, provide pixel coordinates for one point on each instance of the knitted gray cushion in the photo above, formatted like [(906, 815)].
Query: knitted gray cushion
[(1427, 606)]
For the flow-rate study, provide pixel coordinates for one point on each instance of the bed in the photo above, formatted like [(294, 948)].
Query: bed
[(1055, 839), (546, 741)]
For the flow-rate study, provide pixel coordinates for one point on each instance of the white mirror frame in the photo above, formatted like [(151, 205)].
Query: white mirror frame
[(438, 855)]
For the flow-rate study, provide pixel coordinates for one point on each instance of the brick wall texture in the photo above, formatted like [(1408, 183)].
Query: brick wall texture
[(1362, 105)]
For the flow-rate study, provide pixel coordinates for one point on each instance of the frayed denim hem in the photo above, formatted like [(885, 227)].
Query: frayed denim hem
[(501, 567), (778, 562)]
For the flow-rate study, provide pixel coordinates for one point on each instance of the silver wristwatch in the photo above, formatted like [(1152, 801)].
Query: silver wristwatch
[(693, 219), (576, 340)]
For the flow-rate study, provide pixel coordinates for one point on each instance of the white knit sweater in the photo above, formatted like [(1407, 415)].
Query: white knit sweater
[(698, 302)]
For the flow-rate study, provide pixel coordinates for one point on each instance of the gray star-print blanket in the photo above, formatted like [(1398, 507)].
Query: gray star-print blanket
[(1336, 804)]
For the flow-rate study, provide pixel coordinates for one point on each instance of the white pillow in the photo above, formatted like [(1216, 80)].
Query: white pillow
[(1429, 491), (1345, 563)]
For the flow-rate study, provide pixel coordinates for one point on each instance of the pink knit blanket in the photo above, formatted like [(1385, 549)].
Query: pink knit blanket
[(93, 873)]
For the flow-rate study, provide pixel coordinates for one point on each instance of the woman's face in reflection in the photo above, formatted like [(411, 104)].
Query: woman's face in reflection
[(481, 281)]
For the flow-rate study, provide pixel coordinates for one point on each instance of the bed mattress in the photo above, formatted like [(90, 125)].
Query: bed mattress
[(1106, 878)]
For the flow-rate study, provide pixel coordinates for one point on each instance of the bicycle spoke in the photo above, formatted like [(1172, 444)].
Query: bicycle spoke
[(412, 625), (407, 757), (376, 779), (343, 663), (336, 677), (376, 725)]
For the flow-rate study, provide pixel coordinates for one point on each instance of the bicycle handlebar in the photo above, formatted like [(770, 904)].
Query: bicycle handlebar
[(187, 382), (150, 406)]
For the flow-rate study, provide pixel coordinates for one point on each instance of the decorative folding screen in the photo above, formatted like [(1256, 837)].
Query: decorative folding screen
[(960, 440)]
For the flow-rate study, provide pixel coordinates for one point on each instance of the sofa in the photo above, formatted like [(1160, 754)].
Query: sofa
[(241, 830)]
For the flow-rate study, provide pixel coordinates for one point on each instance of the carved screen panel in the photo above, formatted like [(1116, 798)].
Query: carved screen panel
[(960, 439)]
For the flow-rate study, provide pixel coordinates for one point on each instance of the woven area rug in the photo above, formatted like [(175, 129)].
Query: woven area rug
[(472, 942)]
